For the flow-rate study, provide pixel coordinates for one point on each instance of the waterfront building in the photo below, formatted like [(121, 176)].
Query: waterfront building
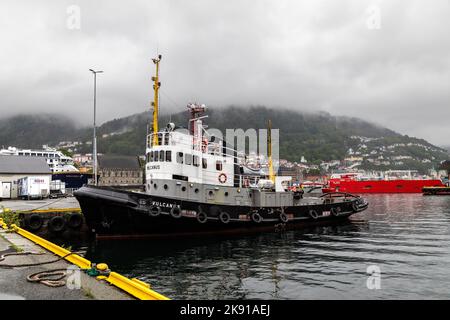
[(13, 168)]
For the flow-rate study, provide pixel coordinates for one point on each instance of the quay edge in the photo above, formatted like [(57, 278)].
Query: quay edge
[(15, 285)]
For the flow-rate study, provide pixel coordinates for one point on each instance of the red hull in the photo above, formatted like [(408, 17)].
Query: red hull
[(380, 186)]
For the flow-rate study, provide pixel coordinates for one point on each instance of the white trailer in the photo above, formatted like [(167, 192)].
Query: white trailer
[(57, 189), (34, 187)]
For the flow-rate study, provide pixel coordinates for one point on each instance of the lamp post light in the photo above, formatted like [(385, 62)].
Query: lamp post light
[(95, 127)]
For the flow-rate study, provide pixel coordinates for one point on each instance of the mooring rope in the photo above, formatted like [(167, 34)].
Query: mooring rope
[(46, 277)]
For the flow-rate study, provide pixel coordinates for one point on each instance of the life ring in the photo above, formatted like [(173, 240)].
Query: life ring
[(57, 224), (313, 214), (175, 212), (224, 217), (222, 178), (34, 222), (335, 211), (154, 211), (74, 220), (202, 217), (256, 217), (284, 217)]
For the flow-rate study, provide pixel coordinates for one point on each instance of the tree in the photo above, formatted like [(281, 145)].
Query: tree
[(66, 152)]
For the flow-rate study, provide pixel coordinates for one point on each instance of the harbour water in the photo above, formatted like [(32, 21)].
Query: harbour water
[(404, 236)]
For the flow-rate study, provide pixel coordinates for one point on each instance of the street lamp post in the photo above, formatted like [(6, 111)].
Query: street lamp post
[(95, 126)]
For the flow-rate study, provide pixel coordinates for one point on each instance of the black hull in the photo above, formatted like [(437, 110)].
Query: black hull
[(112, 213)]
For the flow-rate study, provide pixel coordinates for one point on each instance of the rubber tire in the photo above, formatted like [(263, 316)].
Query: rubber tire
[(283, 217), (175, 212), (154, 211), (335, 212), (75, 220), (202, 217), (256, 217), (313, 214), (355, 207), (224, 217), (34, 222), (56, 224)]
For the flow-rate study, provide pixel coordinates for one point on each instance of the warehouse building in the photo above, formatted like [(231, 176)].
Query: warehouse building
[(14, 168)]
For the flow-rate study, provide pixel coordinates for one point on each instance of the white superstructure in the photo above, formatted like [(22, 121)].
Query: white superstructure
[(56, 160), (189, 156)]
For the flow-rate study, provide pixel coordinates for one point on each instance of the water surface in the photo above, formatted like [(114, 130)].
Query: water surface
[(406, 236)]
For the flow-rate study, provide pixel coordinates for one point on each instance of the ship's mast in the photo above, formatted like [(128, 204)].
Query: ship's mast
[(269, 151), (155, 105)]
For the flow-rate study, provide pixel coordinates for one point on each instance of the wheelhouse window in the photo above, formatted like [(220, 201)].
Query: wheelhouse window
[(161, 156), (156, 156), (180, 157), (151, 156), (204, 163), (219, 165), (166, 139), (188, 159), (169, 156), (195, 161)]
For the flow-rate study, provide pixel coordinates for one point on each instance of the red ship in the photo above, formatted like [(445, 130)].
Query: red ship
[(355, 183)]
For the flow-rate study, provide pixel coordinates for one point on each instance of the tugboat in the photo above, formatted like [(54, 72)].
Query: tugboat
[(194, 185)]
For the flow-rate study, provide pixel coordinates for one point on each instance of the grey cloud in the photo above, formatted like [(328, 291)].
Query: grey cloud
[(303, 55)]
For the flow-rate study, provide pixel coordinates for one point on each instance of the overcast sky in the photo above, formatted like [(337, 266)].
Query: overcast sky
[(384, 61)]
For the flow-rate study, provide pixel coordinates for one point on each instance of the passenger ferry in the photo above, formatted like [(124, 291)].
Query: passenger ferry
[(195, 184), (56, 160)]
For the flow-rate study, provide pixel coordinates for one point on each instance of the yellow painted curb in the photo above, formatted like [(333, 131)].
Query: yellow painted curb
[(72, 258), (3, 225), (135, 287)]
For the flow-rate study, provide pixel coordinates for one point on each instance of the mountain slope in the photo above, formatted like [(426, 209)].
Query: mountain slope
[(316, 136), (32, 131)]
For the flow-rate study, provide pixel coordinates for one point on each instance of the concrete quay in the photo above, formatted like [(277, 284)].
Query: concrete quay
[(28, 205), (14, 284)]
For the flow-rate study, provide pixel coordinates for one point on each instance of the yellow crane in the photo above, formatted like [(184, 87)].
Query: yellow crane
[(269, 151), (156, 86)]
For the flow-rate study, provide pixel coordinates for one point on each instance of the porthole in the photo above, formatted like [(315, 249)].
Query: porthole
[(196, 190), (211, 193), (226, 193), (183, 188), (155, 186), (166, 187)]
